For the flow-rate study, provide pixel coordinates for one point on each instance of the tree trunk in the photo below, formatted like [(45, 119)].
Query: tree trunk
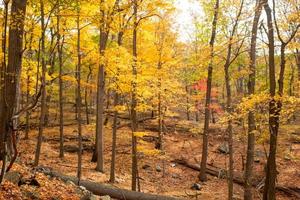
[(43, 82), (12, 76), (238, 177), (86, 102), (79, 102), (27, 101), (202, 175), (271, 173), (133, 113), (251, 117), (297, 57), (187, 103), (100, 95), (61, 99), (115, 124), (113, 192)]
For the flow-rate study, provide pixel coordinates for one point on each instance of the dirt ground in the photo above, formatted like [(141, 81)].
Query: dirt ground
[(173, 179)]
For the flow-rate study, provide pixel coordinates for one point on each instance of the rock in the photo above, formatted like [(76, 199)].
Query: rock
[(82, 188), (146, 167), (94, 197), (173, 164), (13, 177), (223, 148), (287, 158), (29, 181), (120, 180), (236, 197), (158, 168), (84, 193), (196, 186), (258, 154), (70, 183), (30, 195), (105, 197), (175, 176)]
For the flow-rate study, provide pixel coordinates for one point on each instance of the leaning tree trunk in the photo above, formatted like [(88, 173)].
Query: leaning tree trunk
[(202, 175), (251, 117), (12, 76)]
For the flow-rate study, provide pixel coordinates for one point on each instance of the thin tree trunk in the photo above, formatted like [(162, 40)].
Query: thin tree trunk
[(251, 117), (202, 175), (115, 125), (79, 102), (187, 103), (61, 99), (44, 93), (133, 114), (229, 100), (27, 101), (86, 91), (271, 174)]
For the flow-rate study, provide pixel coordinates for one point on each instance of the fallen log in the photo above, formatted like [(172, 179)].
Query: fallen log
[(238, 177), (68, 138), (106, 189), (139, 121), (216, 171)]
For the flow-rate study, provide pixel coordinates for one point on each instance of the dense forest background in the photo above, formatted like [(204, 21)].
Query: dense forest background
[(110, 96)]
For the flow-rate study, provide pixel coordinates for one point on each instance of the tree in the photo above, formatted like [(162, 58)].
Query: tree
[(43, 88), (251, 91), (133, 113), (202, 175), (228, 62), (269, 188), (275, 104), (12, 77), (78, 96)]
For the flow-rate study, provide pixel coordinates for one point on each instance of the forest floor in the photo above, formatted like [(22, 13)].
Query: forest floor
[(158, 173)]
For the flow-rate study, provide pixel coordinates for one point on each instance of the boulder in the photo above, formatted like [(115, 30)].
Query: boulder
[(224, 148), (158, 168), (196, 186), (105, 197), (13, 177)]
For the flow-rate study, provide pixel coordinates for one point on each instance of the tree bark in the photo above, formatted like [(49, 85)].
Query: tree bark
[(43, 82), (202, 175), (115, 124), (61, 99), (79, 101), (12, 76), (100, 94), (86, 102), (133, 114), (271, 173), (251, 91), (229, 101)]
